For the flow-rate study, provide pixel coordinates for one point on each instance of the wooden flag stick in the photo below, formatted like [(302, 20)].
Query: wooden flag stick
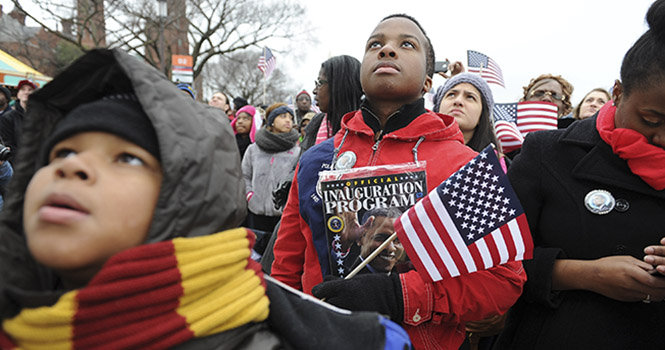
[(264, 80), (371, 257)]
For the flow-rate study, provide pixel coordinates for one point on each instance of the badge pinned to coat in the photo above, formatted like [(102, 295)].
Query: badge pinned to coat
[(599, 202)]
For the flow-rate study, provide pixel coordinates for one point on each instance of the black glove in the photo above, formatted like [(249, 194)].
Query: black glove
[(281, 194), (368, 292)]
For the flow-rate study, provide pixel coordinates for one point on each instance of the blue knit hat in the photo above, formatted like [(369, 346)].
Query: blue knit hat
[(471, 78), (277, 111), (188, 89)]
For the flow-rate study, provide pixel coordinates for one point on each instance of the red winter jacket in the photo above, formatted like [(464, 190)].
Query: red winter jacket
[(434, 313)]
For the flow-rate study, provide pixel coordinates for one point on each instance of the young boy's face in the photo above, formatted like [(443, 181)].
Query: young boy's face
[(95, 198), (394, 65)]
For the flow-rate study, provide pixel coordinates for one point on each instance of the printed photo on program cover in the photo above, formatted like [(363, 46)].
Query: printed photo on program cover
[(360, 206)]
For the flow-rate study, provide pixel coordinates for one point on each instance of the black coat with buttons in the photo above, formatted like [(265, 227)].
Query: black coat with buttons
[(552, 175)]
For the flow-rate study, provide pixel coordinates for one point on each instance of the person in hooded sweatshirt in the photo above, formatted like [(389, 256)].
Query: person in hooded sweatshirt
[(118, 231), (267, 163), (245, 125)]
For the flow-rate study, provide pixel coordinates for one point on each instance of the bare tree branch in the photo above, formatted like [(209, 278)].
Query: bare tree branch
[(209, 28), (237, 76)]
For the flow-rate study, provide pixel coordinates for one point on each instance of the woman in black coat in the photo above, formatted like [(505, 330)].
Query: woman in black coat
[(594, 197)]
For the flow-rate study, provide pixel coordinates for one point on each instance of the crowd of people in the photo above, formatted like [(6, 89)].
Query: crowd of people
[(126, 225)]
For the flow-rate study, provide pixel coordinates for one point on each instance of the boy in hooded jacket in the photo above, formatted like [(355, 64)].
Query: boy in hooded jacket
[(391, 127), (108, 237)]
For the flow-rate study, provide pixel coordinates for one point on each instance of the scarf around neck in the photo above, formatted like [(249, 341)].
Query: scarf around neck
[(644, 159), (275, 143), (154, 296)]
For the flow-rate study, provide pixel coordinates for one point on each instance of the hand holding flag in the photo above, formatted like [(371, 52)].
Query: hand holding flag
[(472, 221)]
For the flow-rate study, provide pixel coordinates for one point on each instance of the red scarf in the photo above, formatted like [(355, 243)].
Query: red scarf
[(644, 159)]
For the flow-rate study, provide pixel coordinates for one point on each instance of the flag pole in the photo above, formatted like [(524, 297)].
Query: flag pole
[(264, 78), (481, 69), (371, 257)]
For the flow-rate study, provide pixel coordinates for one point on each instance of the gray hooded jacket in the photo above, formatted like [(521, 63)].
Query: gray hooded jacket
[(202, 190), (202, 193)]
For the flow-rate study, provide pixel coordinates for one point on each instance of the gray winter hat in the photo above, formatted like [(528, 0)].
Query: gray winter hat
[(471, 78)]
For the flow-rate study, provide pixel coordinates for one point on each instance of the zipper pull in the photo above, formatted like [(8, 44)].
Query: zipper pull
[(378, 139), (376, 145)]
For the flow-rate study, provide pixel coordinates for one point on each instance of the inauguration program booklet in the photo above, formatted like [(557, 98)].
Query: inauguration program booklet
[(360, 206)]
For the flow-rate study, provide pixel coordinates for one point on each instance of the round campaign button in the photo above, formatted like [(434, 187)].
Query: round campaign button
[(346, 161), (599, 202)]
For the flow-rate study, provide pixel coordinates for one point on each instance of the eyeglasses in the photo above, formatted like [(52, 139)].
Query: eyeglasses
[(319, 82), (541, 93)]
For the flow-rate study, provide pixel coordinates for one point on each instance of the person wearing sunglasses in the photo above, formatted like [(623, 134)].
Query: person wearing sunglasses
[(551, 88), (594, 197)]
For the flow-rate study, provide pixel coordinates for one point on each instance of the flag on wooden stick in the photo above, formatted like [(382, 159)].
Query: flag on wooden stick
[(472, 221)]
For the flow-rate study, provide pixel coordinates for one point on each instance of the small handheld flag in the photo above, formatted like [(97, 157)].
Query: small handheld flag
[(486, 67), (470, 222), (513, 121)]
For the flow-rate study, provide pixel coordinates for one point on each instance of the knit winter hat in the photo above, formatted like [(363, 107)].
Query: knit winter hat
[(249, 109), (257, 120), (187, 88), (25, 82), (278, 111), (5, 91), (120, 115), (471, 78), (239, 102), (303, 92)]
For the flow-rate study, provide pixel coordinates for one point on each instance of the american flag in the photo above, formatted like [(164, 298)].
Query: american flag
[(505, 126), (486, 67), (513, 121), (472, 221), (535, 116), (267, 62)]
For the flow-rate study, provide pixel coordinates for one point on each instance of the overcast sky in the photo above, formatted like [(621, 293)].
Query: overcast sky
[(582, 40)]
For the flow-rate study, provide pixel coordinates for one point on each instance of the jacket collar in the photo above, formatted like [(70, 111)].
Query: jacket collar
[(432, 126), (600, 164), (398, 120)]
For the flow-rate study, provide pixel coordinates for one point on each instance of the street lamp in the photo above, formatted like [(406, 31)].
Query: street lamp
[(162, 13)]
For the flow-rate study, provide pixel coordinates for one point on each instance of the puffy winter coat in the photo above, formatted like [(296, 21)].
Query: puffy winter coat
[(434, 314), (263, 172), (202, 192)]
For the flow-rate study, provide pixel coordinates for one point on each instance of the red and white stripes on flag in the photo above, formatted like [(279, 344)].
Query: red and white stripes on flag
[(486, 67), (508, 135), (535, 116), (513, 121), (472, 221), (267, 62)]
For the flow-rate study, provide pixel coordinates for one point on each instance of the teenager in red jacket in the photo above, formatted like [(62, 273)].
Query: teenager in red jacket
[(392, 126)]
